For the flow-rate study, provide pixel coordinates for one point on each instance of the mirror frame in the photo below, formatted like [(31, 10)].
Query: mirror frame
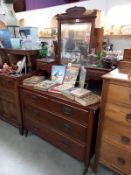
[(76, 15)]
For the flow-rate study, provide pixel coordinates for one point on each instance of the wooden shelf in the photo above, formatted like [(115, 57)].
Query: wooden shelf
[(118, 35)]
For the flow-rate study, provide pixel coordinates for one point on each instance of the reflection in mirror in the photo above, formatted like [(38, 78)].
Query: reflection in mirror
[(75, 41)]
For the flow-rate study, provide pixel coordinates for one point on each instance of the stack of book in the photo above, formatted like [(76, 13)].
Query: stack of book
[(33, 80), (45, 85), (83, 96)]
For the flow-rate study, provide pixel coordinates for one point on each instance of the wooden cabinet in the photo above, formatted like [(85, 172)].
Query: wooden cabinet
[(113, 147), (61, 121), (10, 109)]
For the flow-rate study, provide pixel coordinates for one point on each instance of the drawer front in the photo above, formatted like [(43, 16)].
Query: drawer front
[(116, 157), (69, 112), (37, 100), (7, 84), (7, 95), (8, 110), (119, 95), (69, 128), (118, 114), (73, 148), (118, 133)]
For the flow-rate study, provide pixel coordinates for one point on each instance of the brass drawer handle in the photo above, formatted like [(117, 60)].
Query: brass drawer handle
[(125, 140), (34, 98), (67, 127), (121, 161), (65, 143), (67, 110), (35, 112), (128, 117)]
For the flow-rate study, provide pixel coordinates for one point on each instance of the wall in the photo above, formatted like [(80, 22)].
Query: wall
[(43, 17), (31, 4)]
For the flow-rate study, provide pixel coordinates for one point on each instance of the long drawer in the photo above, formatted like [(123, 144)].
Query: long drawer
[(69, 128), (115, 157), (68, 111), (66, 144), (4, 94), (118, 133), (118, 113), (35, 99), (119, 94)]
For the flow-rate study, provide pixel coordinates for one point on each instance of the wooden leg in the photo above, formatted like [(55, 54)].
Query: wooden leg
[(85, 170), (21, 132), (26, 132)]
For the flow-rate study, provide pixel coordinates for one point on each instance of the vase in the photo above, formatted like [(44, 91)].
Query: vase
[(9, 13)]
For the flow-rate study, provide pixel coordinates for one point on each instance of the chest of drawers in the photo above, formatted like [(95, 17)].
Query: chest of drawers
[(10, 109), (113, 147), (60, 121)]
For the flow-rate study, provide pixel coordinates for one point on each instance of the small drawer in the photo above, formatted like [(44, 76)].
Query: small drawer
[(7, 83), (37, 100), (118, 133), (118, 113), (69, 128), (119, 95), (116, 157), (70, 112), (68, 145)]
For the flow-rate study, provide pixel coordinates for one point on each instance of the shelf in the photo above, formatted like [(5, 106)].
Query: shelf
[(118, 35)]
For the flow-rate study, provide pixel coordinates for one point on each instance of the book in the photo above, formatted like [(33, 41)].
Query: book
[(45, 85), (67, 93), (52, 89), (58, 73), (71, 74), (31, 81), (80, 92), (82, 77), (89, 99), (63, 87)]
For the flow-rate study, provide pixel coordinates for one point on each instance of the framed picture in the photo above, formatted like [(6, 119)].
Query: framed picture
[(50, 32), (47, 32)]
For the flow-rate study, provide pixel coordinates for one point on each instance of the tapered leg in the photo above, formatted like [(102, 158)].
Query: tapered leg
[(21, 132), (26, 132)]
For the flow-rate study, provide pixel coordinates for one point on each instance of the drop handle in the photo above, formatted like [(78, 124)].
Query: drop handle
[(34, 98), (125, 140), (128, 117), (67, 127), (67, 110), (35, 112), (121, 161), (65, 143), (35, 127)]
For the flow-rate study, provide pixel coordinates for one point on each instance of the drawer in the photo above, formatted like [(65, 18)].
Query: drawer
[(119, 94), (118, 114), (8, 84), (118, 133), (116, 157), (7, 95), (69, 112), (68, 145), (32, 98), (69, 128)]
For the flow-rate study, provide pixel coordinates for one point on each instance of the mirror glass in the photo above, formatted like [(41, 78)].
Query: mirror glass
[(75, 41)]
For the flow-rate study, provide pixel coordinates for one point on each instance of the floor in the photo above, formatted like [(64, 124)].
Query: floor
[(33, 156)]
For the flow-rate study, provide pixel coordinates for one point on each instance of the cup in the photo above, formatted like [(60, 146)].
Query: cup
[(15, 43)]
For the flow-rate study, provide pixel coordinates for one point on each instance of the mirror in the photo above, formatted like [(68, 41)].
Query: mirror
[(75, 41)]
